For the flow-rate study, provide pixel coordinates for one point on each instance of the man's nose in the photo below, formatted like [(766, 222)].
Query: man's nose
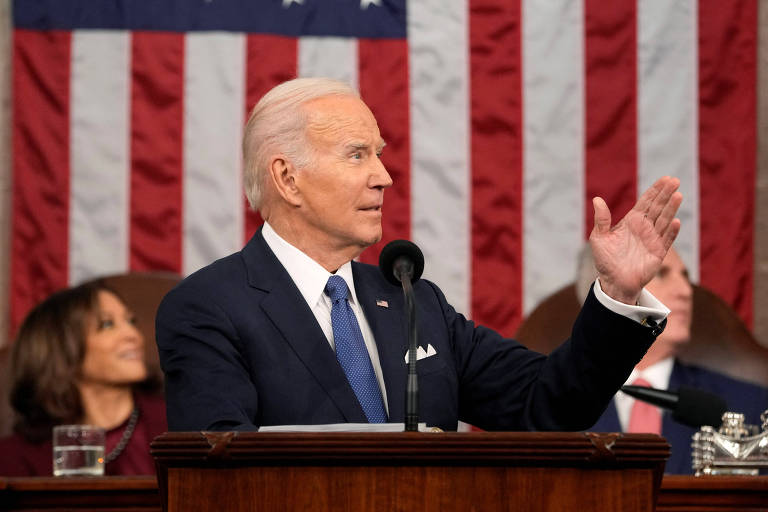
[(684, 286), (380, 177)]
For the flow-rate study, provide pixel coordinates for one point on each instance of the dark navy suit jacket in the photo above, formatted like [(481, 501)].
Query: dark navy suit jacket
[(240, 348), (743, 397)]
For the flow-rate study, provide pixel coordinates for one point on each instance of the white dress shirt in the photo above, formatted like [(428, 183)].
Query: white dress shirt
[(657, 375), (310, 278)]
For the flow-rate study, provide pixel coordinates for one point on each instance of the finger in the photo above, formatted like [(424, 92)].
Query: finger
[(669, 212), (602, 215), (662, 199), (649, 195), (670, 234)]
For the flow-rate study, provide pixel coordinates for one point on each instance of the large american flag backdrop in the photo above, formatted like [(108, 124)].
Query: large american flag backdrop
[(502, 117)]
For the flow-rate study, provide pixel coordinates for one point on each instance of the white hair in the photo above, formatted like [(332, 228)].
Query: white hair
[(277, 124)]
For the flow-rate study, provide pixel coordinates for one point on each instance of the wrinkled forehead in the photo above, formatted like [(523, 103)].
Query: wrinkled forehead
[(337, 118)]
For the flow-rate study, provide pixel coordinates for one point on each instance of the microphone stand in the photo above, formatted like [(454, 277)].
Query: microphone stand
[(403, 270)]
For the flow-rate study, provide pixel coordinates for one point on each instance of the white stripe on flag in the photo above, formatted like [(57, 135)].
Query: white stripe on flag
[(214, 99), (440, 140), (332, 57), (99, 106), (553, 145), (667, 110)]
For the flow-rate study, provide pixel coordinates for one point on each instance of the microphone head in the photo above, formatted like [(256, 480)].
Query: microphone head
[(689, 406), (658, 397), (696, 408), (400, 249)]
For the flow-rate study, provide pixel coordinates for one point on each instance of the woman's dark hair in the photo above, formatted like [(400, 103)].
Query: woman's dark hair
[(46, 359)]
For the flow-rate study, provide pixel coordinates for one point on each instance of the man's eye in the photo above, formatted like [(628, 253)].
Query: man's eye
[(357, 155)]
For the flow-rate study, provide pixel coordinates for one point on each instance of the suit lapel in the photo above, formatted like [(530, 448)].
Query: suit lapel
[(289, 312), (609, 421), (389, 331), (678, 377), (678, 436)]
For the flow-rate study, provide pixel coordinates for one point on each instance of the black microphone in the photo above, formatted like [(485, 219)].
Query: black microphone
[(401, 257), (690, 406), (402, 263)]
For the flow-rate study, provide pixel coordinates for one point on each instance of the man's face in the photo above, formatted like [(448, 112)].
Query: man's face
[(672, 287), (342, 189)]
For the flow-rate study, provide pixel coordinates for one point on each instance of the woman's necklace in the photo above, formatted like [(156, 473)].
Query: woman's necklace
[(127, 433)]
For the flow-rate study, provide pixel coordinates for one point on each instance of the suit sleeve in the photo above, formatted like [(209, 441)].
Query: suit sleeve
[(207, 383), (505, 386)]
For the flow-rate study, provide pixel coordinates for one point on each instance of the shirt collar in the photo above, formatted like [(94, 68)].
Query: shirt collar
[(657, 375), (308, 275)]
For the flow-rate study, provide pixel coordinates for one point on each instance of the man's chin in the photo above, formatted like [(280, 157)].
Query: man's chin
[(373, 238), (363, 243), (678, 340)]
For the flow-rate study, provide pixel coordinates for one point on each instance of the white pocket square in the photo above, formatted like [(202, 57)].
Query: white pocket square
[(421, 353)]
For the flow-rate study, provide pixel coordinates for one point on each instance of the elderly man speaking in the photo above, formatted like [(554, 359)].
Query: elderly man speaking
[(290, 330)]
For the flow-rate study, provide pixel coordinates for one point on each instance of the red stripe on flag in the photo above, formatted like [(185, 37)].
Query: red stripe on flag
[(270, 60), (727, 148), (383, 81), (40, 211), (611, 105), (497, 203), (157, 110)]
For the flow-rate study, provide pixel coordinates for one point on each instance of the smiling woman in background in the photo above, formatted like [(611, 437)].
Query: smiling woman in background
[(79, 359)]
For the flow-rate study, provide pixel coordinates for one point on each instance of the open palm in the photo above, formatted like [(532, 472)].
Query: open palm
[(629, 254)]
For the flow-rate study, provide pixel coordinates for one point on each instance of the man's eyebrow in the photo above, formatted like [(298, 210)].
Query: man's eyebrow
[(365, 145)]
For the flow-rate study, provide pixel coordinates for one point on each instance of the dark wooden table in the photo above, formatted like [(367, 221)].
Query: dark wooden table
[(713, 494), (112, 493), (140, 494)]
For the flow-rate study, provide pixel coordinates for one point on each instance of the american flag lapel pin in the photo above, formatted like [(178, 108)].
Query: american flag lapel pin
[(382, 303)]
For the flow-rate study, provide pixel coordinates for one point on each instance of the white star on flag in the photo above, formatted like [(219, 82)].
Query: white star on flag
[(365, 3), (287, 3)]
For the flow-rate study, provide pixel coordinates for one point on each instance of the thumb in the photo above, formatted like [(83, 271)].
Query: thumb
[(602, 215)]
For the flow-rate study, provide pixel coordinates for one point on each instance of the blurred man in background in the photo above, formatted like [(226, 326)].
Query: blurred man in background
[(660, 368)]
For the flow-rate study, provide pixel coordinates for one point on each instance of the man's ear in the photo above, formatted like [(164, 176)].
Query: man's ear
[(283, 175)]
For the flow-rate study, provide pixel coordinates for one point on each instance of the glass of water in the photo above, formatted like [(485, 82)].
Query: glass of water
[(78, 450)]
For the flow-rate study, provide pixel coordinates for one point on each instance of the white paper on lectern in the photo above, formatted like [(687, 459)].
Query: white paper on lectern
[(342, 427)]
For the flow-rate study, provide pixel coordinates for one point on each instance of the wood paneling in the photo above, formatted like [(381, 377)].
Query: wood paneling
[(427, 487), (410, 471), (83, 494)]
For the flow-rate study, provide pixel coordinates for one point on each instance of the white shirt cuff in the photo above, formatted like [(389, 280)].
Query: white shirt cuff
[(647, 307)]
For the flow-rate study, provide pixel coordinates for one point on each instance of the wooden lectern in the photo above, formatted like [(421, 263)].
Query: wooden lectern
[(228, 471)]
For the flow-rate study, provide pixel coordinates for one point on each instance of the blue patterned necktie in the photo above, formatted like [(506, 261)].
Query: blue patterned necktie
[(351, 352)]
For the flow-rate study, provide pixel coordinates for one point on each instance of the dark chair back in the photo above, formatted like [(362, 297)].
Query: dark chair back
[(719, 339)]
